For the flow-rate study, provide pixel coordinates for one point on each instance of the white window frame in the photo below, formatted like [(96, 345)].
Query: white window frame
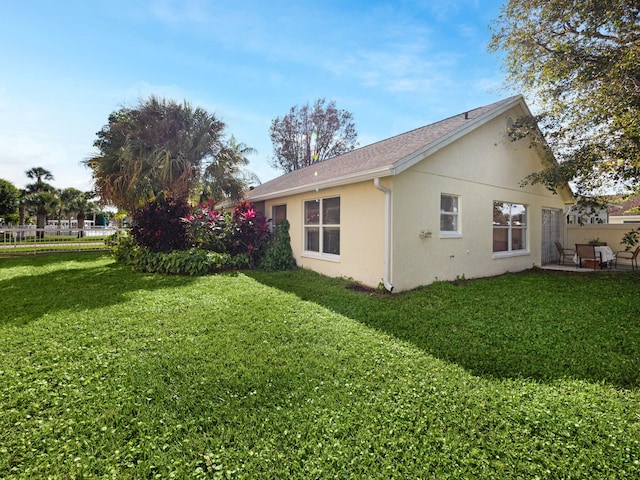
[(321, 225), (455, 214), (510, 252)]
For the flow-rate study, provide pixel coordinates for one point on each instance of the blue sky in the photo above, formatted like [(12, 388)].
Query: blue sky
[(65, 65)]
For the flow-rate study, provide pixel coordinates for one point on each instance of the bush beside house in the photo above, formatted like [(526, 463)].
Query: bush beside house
[(171, 237)]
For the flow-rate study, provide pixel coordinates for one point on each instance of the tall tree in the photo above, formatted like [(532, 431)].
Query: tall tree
[(75, 202), (226, 176), (156, 149), (311, 134), (9, 198), (82, 204), (581, 63), (40, 174), (66, 198), (40, 196)]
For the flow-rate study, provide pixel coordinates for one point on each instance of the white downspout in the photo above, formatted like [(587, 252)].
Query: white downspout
[(387, 234)]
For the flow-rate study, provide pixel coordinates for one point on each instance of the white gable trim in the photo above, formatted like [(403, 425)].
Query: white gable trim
[(409, 161)]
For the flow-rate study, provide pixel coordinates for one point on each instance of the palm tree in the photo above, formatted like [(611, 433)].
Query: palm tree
[(40, 196), (38, 174), (41, 202), (67, 198), (81, 205), (119, 170), (154, 150), (226, 176)]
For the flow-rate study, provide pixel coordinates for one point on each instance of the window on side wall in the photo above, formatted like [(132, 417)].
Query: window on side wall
[(322, 227), (278, 214), (450, 216), (509, 227)]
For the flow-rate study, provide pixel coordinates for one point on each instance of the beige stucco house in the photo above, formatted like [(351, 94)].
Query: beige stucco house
[(436, 203)]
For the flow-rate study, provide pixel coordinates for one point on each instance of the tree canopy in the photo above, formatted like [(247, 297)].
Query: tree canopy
[(9, 198), (39, 174), (157, 149), (226, 176), (311, 134), (73, 201), (580, 61), (43, 200)]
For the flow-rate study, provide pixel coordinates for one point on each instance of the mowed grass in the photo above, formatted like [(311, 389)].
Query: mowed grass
[(105, 373)]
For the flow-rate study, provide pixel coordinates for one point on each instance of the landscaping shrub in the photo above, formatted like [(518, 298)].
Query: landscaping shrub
[(251, 233), (243, 233), (278, 255), (178, 262), (630, 239), (208, 229), (159, 225), (181, 262), (170, 237), (122, 246)]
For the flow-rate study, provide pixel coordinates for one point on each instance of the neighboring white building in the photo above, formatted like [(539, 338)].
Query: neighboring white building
[(65, 223), (586, 216)]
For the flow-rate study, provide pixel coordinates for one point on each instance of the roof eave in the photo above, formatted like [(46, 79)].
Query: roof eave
[(323, 185)]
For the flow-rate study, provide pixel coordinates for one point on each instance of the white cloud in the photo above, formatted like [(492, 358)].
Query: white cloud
[(467, 31), (490, 84), (446, 9), (405, 68), (180, 11)]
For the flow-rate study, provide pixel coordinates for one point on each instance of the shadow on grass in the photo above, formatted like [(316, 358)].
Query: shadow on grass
[(48, 258), (541, 325), (52, 283)]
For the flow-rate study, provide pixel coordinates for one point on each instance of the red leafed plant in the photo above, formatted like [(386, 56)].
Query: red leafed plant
[(245, 232), (159, 226), (251, 233)]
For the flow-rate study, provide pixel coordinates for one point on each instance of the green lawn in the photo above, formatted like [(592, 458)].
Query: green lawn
[(105, 373)]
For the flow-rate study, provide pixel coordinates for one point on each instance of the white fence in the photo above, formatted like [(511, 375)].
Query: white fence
[(28, 240)]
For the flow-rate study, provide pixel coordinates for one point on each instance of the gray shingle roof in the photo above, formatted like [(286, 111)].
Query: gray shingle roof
[(379, 159)]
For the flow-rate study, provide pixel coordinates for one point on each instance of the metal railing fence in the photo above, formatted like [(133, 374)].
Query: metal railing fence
[(29, 240)]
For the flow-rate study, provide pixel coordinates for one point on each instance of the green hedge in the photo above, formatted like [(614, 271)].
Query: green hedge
[(178, 262)]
